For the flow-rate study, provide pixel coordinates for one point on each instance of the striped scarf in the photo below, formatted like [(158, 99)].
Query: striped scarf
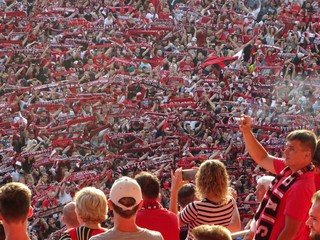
[(268, 209)]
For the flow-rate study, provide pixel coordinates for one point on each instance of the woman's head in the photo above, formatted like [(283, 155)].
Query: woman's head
[(91, 205), (212, 180)]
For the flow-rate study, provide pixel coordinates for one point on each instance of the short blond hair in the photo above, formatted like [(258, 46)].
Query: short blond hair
[(209, 232), (91, 205), (212, 179)]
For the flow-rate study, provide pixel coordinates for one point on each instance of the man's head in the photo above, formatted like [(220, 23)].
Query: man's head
[(186, 194), (209, 232), (69, 216), (91, 205), (262, 186), (300, 149), (125, 197), (15, 202), (313, 221), (149, 184)]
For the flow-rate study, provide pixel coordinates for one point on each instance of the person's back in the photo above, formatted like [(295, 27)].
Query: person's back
[(125, 200), (15, 208), (142, 234), (152, 215)]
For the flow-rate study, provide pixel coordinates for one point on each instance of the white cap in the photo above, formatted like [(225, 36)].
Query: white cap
[(194, 39), (125, 187)]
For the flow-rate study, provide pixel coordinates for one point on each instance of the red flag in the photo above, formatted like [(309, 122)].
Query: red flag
[(218, 62)]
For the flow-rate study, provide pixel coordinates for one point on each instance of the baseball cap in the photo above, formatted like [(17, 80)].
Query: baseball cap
[(125, 187), (194, 39)]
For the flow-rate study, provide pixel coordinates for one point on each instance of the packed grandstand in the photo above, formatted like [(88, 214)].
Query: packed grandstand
[(92, 90)]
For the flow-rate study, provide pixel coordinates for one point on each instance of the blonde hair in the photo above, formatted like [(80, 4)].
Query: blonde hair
[(91, 205), (209, 232), (212, 180)]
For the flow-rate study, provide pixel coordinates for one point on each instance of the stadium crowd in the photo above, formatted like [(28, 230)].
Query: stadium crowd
[(92, 90)]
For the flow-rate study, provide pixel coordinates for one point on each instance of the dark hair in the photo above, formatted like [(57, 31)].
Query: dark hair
[(149, 184), (128, 202), (186, 194), (306, 137)]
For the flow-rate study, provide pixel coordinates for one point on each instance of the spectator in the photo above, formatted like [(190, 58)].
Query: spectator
[(261, 188), (91, 209), (313, 221), (287, 220), (186, 195), (15, 208), (212, 187), (2, 233), (316, 163), (209, 232), (69, 216), (65, 194), (125, 200), (153, 215)]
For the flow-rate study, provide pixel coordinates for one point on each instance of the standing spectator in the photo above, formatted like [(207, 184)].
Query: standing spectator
[(261, 189), (153, 215), (91, 210), (216, 205), (65, 193), (15, 208), (69, 216), (125, 200), (313, 221), (294, 185), (186, 195)]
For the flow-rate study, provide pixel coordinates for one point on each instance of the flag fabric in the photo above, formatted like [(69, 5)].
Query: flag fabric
[(218, 62)]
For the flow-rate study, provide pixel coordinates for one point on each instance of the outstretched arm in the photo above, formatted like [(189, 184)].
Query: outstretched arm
[(255, 149)]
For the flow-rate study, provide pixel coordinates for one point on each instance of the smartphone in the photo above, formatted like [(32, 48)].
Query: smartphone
[(189, 174)]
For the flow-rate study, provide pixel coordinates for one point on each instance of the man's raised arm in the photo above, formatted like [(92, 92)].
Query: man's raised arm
[(255, 149)]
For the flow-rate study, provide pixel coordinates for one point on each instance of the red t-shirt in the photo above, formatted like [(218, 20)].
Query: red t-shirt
[(161, 220), (295, 203)]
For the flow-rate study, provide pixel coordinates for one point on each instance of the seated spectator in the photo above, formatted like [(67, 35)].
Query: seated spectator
[(216, 205), (91, 209), (125, 200), (15, 208), (152, 215), (208, 232)]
